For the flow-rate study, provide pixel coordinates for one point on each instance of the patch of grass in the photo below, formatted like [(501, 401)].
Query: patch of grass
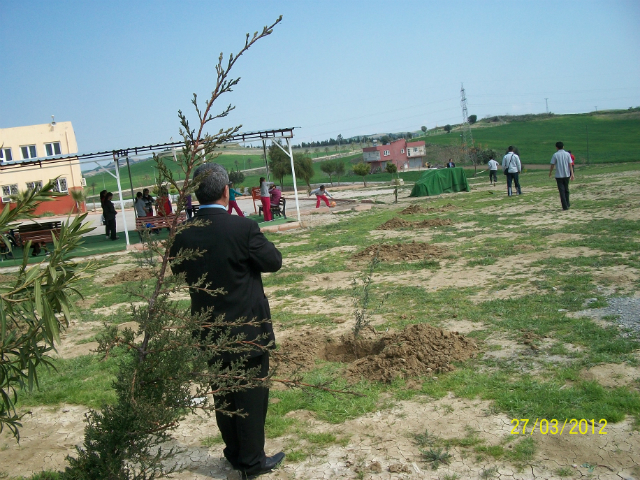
[(327, 406), (296, 455), (436, 457), (522, 451), (565, 472), (320, 439), (84, 380), (44, 475), (277, 425), (523, 396), (488, 260), (426, 439), (209, 442), (489, 472)]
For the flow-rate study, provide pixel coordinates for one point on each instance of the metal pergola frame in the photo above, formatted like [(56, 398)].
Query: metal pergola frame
[(116, 155)]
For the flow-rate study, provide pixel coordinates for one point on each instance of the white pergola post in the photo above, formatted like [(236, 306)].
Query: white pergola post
[(117, 177), (293, 172), (124, 218)]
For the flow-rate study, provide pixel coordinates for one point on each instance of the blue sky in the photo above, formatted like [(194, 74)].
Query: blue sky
[(120, 70)]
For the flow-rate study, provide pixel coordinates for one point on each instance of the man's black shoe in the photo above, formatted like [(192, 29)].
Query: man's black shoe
[(269, 464)]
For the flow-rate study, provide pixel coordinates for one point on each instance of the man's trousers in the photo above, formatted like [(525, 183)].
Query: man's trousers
[(513, 177), (563, 188), (244, 436)]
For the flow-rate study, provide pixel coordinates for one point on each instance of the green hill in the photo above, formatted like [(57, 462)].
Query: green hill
[(612, 136)]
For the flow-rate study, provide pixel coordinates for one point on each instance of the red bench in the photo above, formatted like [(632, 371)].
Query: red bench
[(158, 222)]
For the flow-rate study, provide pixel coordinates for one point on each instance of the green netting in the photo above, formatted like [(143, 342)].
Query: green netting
[(442, 180)]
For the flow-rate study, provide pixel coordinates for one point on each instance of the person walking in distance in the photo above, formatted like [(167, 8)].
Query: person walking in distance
[(232, 255), (321, 194), (512, 168), (265, 199), (493, 171), (561, 160)]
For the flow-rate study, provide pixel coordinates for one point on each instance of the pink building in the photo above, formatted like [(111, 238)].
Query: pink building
[(404, 154)]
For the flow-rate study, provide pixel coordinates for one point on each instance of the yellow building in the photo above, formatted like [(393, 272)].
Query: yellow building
[(30, 157)]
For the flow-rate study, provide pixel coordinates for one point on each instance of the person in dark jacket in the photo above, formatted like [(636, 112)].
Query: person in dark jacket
[(109, 213), (234, 253), (103, 194)]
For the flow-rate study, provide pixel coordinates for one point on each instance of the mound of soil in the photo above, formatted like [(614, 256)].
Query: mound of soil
[(137, 274), (396, 223), (415, 208), (418, 350), (401, 252)]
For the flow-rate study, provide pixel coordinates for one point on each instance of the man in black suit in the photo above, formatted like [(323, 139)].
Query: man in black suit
[(234, 253)]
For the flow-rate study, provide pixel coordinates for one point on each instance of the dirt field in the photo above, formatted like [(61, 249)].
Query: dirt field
[(415, 344)]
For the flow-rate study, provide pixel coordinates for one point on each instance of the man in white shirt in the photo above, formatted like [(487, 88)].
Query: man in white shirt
[(564, 172), (493, 171), (512, 167)]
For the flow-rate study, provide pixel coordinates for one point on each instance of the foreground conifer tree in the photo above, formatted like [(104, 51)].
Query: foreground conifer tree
[(164, 373)]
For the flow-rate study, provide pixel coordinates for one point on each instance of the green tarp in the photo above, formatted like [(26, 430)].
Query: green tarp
[(442, 180)]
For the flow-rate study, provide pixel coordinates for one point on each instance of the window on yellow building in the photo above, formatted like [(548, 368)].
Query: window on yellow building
[(37, 186), (28, 151), (52, 148), (5, 155), (60, 185), (7, 191)]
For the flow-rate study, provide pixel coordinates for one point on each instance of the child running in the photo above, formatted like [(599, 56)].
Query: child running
[(232, 201), (321, 194)]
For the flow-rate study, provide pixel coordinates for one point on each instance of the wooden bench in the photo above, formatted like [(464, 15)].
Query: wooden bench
[(38, 233), (280, 210), (157, 222)]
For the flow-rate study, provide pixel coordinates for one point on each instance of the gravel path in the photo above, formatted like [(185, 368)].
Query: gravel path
[(625, 309)]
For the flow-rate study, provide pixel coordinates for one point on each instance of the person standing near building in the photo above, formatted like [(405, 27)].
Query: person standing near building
[(265, 199), (512, 167), (233, 255), (109, 212), (493, 171), (232, 201), (561, 160)]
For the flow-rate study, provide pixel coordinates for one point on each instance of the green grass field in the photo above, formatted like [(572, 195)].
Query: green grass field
[(518, 276), (612, 137)]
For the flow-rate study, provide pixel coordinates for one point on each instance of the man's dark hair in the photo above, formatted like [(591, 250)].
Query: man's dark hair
[(261, 180), (145, 190), (109, 196), (139, 195), (211, 179), (321, 187), (510, 149), (559, 145)]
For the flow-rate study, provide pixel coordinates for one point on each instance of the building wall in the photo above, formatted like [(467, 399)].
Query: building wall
[(404, 155), (21, 171)]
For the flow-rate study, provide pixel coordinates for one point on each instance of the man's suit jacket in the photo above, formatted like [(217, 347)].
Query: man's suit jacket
[(235, 255)]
